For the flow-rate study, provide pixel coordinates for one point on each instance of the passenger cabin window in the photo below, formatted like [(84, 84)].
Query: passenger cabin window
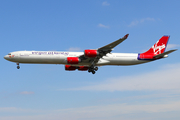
[(9, 54)]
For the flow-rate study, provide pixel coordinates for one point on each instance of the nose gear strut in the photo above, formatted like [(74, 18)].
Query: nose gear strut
[(18, 65)]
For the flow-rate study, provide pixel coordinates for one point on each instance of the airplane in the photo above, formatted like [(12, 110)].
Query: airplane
[(91, 59)]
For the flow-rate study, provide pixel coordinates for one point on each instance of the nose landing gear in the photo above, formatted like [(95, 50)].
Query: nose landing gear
[(18, 67)]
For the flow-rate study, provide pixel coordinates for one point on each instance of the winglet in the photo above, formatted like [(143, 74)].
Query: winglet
[(126, 36)]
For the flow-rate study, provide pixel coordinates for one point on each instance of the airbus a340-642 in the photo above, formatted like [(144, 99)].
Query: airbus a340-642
[(90, 59)]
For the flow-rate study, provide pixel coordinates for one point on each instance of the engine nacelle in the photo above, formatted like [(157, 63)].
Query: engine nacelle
[(70, 68), (73, 60), (91, 53), (83, 68)]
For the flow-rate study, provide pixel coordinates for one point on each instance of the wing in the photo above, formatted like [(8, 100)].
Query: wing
[(108, 48), (103, 51)]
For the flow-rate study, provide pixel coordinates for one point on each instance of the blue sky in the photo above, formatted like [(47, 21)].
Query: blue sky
[(48, 92)]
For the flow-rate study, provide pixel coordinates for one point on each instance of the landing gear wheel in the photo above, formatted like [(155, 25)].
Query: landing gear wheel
[(96, 68), (92, 69), (93, 72), (18, 67), (89, 70)]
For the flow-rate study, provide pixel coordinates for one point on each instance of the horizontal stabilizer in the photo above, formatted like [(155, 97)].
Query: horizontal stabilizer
[(165, 53)]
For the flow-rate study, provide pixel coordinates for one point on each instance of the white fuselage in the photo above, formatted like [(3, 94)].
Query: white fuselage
[(58, 57)]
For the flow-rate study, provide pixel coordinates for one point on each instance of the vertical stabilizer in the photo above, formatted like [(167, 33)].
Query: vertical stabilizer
[(158, 48)]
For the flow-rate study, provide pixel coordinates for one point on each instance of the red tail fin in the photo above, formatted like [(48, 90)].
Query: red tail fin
[(158, 48)]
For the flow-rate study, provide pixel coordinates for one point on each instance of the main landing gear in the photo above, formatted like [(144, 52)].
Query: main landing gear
[(93, 69), (18, 65)]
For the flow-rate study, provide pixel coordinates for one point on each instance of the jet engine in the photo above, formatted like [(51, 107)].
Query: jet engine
[(73, 60), (83, 68), (70, 68), (91, 53)]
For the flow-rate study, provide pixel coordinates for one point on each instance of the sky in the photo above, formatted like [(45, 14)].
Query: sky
[(48, 92)]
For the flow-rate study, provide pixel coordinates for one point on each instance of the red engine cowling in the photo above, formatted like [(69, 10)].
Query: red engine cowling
[(73, 60), (91, 53), (83, 68), (70, 68)]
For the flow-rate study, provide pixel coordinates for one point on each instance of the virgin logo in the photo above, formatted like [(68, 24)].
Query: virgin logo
[(158, 48)]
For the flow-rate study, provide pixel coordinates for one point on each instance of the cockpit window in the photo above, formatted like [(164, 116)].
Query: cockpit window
[(9, 54)]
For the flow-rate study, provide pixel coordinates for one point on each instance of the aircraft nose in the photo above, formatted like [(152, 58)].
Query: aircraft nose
[(6, 57)]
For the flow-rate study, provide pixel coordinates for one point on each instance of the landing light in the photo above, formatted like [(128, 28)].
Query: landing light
[(165, 56)]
